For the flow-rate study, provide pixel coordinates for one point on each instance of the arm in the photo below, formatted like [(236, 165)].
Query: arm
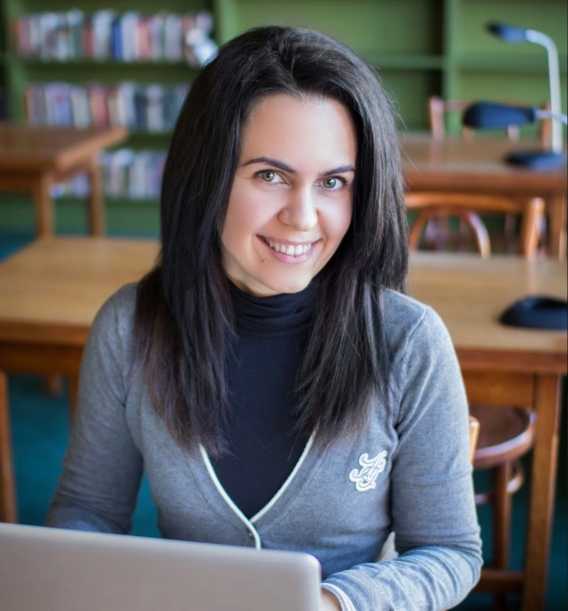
[(102, 469), (433, 510)]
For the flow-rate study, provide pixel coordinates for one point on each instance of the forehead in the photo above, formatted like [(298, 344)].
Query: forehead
[(307, 131)]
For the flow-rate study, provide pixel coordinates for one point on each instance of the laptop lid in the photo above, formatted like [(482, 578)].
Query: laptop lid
[(63, 570)]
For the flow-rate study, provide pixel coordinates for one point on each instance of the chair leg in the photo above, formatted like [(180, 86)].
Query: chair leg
[(7, 482), (501, 526), (509, 231), (502, 519), (54, 385)]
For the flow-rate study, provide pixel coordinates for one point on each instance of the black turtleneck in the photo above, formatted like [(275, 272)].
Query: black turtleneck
[(271, 338)]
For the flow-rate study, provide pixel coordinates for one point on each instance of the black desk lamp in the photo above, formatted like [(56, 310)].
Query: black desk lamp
[(488, 115), (491, 115)]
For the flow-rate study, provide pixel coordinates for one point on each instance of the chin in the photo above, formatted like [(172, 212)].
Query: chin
[(290, 287)]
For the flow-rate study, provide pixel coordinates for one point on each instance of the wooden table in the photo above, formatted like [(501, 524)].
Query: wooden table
[(51, 290), (477, 165), (505, 366), (34, 158)]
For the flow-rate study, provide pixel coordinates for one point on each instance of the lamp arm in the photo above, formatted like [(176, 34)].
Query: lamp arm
[(554, 79), (546, 114)]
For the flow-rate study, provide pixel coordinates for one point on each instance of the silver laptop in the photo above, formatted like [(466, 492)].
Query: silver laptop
[(51, 569)]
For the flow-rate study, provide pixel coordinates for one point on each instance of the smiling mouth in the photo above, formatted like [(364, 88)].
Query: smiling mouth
[(289, 249)]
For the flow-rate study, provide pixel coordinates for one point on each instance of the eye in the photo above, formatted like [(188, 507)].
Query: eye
[(269, 176), (333, 183)]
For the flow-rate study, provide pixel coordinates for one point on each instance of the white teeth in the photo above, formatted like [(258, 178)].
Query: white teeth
[(288, 249)]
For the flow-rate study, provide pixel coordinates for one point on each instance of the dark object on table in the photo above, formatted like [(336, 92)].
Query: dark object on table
[(491, 115), (537, 160), (537, 312)]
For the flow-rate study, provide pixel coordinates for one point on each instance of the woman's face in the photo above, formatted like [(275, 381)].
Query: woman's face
[(291, 200)]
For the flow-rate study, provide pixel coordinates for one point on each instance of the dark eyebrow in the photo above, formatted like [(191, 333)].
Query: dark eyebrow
[(286, 168)]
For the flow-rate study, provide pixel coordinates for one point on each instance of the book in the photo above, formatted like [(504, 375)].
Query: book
[(119, 36), (151, 107)]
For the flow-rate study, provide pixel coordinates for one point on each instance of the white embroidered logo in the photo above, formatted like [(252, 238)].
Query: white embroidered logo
[(366, 477)]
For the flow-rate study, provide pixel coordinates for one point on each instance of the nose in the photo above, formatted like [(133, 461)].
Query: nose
[(300, 210)]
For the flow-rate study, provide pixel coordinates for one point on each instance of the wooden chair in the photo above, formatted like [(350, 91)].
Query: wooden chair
[(439, 109), (507, 434), (468, 207), (438, 229)]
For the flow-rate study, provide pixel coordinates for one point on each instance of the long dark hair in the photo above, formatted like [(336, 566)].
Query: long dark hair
[(184, 317)]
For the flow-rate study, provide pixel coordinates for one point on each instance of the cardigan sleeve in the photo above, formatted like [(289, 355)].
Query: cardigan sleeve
[(432, 502), (102, 469)]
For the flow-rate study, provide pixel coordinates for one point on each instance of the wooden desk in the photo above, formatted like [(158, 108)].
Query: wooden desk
[(506, 366), (34, 158), (477, 165), (51, 290)]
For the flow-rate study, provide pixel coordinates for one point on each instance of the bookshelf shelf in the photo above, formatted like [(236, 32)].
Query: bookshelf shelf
[(138, 139), (117, 202), (516, 64), (88, 62), (406, 61)]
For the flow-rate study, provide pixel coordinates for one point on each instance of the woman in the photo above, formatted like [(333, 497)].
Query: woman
[(279, 389)]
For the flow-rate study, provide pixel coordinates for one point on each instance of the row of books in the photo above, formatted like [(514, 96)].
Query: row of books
[(138, 107), (126, 174), (107, 35)]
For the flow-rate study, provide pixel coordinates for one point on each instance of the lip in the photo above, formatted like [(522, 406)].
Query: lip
[(288, 242), (279, 256)]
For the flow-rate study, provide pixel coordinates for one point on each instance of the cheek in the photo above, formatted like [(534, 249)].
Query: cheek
[(245, 215), (339, 220)]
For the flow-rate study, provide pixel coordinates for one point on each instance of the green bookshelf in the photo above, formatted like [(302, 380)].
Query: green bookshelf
[(420, 48)]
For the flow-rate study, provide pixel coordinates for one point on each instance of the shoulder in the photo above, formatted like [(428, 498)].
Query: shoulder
[(114, 321), (417, 339), (120, 306), (425, 372), (123, 301), (408, 321), (109, 351)]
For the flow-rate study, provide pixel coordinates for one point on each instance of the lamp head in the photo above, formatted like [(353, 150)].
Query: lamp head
[(508, 33), (489, 115)]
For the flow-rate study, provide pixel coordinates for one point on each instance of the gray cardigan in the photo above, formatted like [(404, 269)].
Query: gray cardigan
[(407, 471)]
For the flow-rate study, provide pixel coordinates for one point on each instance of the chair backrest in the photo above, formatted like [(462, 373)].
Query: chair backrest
[(467, 207), (439, 108)]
